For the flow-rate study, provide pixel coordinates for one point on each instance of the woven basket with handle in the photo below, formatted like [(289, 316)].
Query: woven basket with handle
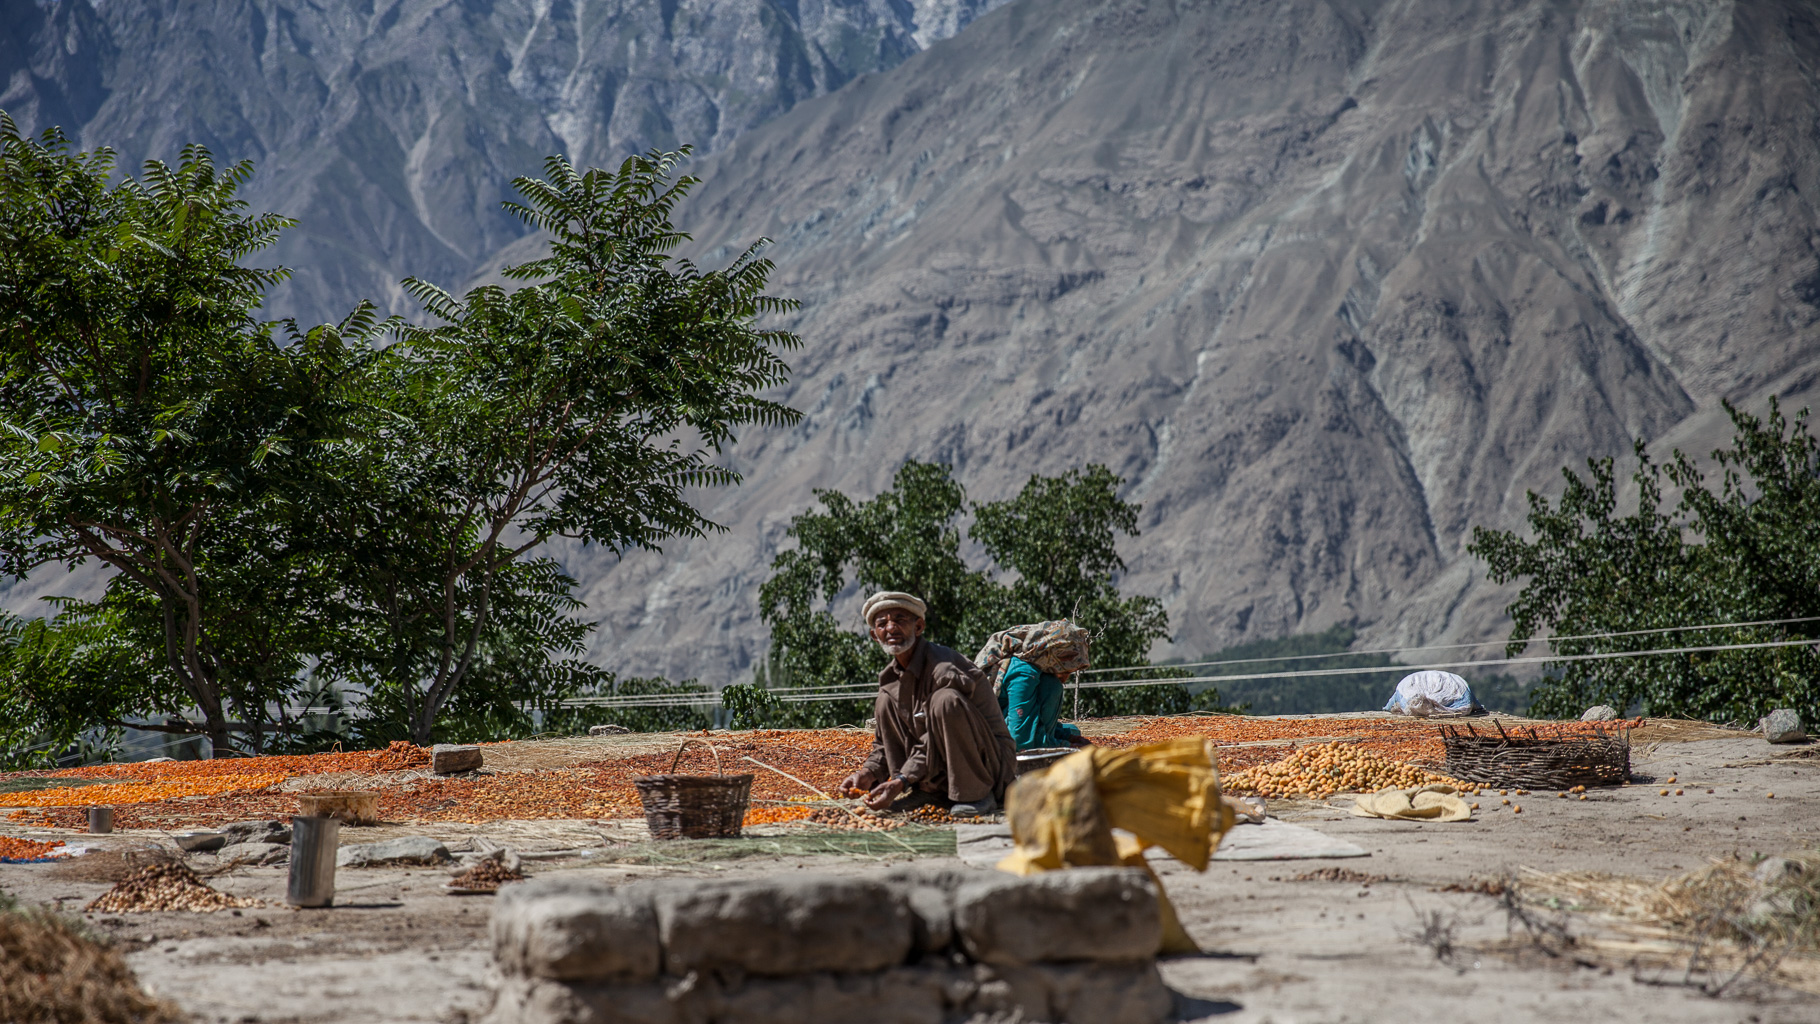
[(694, 806)]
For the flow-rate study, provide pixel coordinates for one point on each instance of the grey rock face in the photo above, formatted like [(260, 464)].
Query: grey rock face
[(1328, 290), (1599, 713), (1783, 725), (403, 850), (1104, 914), (783, 926), (391, 131)]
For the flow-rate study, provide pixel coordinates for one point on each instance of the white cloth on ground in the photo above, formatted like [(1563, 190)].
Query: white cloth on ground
[(1432, 692)]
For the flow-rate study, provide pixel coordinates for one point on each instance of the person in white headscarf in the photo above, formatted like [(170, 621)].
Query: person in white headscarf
[(1030, 666)]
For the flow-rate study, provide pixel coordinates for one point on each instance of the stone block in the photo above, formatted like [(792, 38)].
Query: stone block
[(265, 831), (1105, 914), (781, 926), (518, 1000), (449, 758), (403, 850), (896, 996), (1783, 725), (254, 853), (929, 893), (1106, 993), (576, 930), (1600, 713), (607, 730)]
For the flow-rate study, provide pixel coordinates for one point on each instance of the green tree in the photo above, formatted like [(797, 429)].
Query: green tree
[(1058, 535), (1590, 570), (148, 421), (1055, 539), (68, 681), (904, 539), (584, 404)]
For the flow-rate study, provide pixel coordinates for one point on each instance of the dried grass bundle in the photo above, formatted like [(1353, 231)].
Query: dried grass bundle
[(1730, 919), (58, 973)]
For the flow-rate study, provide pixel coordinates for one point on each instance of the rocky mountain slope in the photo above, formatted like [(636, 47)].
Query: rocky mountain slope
[(391, 129), (1328, 281)]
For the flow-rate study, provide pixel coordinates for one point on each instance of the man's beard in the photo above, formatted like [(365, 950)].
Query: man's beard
[(897, 647)]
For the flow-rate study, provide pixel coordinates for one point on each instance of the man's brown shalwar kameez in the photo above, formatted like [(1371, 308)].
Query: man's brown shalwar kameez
[(940, 727)]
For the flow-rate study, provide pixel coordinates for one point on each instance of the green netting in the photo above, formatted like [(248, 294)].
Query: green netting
[(911, 841)]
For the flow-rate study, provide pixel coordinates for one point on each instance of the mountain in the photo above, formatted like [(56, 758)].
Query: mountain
[(391, 130), (1329, 282)]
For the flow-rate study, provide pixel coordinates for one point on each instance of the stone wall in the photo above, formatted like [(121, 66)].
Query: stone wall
[(911, 947)]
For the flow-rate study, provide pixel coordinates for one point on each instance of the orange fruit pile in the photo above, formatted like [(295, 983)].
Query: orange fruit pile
[(1323, 769), (29, 849), (777, 815)]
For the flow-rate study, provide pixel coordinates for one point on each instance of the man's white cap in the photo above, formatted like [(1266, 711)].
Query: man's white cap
[(885, 600)]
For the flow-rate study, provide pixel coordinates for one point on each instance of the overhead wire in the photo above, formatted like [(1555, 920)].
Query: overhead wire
[(1448, 647), (1549, 658), (857, 691)]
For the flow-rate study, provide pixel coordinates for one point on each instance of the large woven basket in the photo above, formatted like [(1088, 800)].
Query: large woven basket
[(1536, 761), (694, 806)]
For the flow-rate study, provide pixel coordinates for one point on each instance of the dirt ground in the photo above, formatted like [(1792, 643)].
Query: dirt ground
[(397, 948)]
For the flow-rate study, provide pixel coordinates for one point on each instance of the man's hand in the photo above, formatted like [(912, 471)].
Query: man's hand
[(858, 780), (881, 796)]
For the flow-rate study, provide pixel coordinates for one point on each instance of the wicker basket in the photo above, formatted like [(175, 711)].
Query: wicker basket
[(1535, 761), (694, 806)]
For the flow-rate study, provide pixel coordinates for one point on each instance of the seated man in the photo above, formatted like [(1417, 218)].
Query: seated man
[(939, 730), (1029, 666)]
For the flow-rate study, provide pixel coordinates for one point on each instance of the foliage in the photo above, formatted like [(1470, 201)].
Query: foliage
[(584, 405), (63, 677), (147, 420), (1054, 539), (1589, 570), (678, 718), (1059, 536), (780, 714), (750, 706), (274, 500)]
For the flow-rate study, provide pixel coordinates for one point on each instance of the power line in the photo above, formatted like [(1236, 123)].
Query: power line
[(864, 689), (1451, 647), (1314, 672)]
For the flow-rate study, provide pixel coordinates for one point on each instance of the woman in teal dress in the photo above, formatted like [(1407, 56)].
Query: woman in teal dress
[(1030, 666)]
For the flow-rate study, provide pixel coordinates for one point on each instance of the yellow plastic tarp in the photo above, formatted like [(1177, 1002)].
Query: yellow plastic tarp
[(1163, 794)]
